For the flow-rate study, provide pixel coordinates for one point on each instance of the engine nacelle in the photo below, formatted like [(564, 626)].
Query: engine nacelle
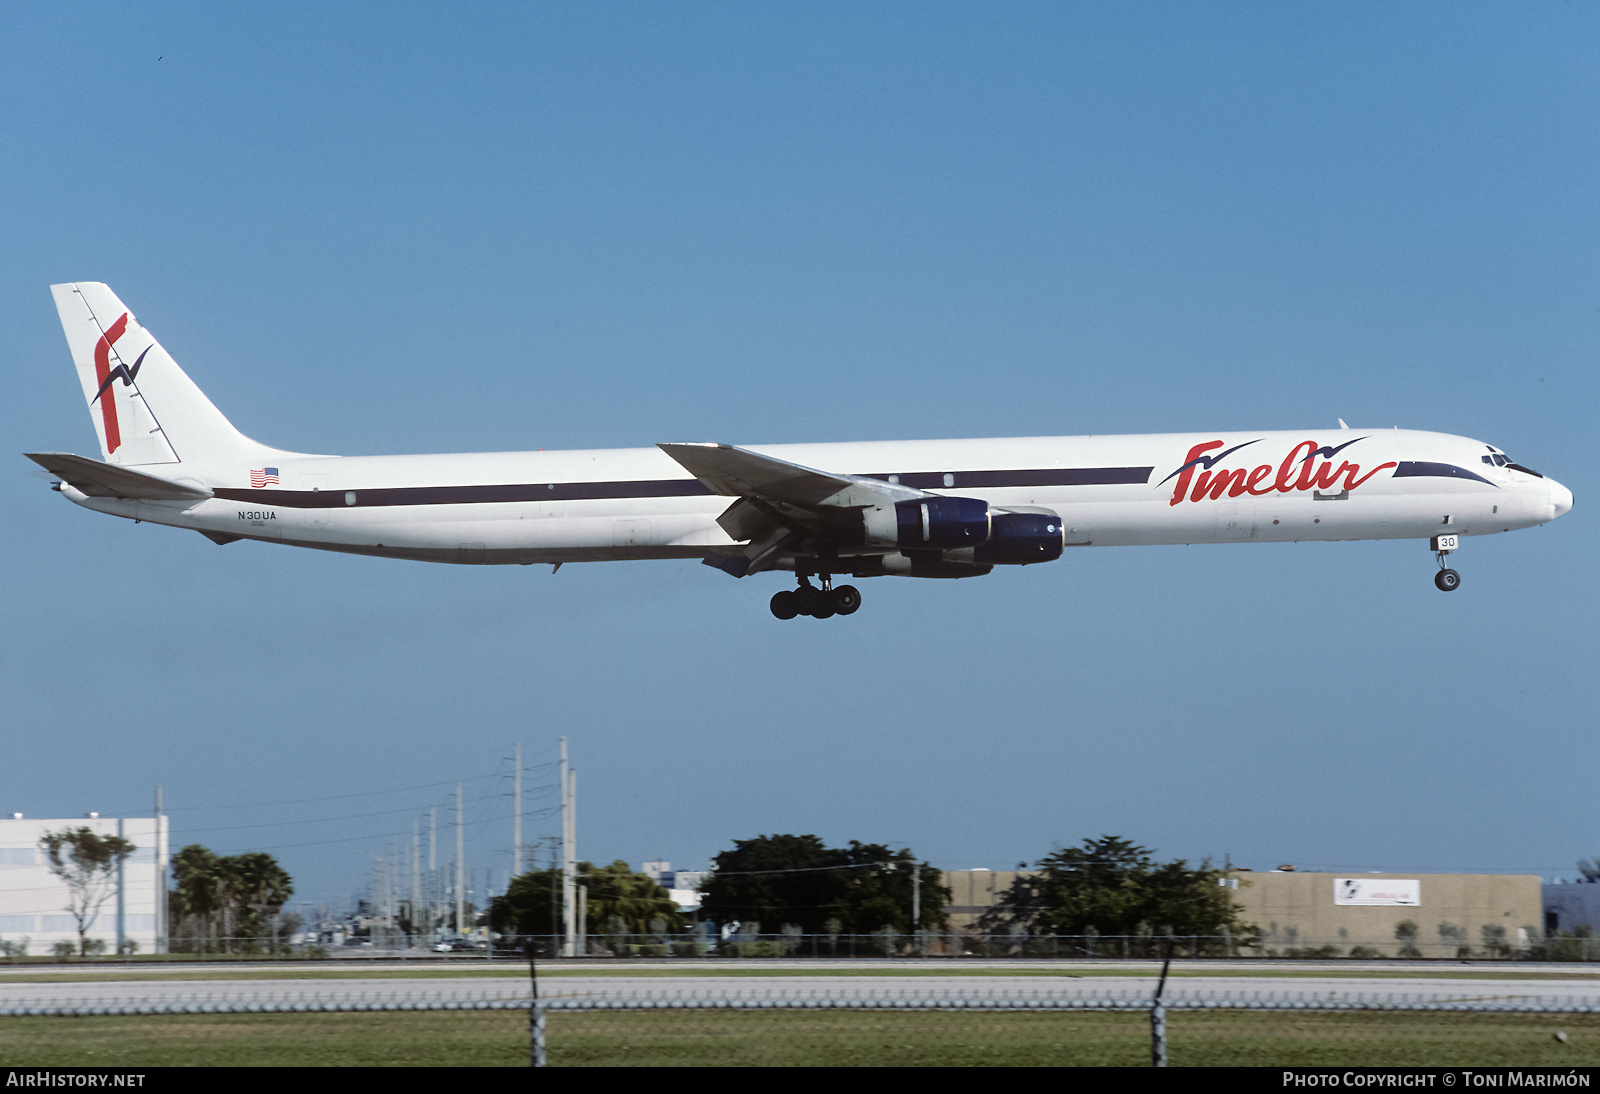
[(1017, 539), (941, 523)]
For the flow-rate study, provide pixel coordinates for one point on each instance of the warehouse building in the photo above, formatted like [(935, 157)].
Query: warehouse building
[(1391, 915), (1303, 914), (35, 904)]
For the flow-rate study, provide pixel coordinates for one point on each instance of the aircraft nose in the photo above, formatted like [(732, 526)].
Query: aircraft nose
[(1560, 497)]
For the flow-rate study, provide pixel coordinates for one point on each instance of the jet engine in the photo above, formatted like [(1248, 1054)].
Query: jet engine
[(941, 523), (963, 537), (1017, 539)]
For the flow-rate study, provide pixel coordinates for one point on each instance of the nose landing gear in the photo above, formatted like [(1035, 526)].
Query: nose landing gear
[(1446, 580), (817, 603)]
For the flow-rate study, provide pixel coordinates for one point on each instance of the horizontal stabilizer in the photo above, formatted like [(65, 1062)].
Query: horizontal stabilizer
[(104, 480)]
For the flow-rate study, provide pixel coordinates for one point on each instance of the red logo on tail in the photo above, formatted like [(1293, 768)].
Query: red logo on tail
[(102, 376)]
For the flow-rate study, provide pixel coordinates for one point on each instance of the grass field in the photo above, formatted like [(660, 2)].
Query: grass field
[(803, 1038)]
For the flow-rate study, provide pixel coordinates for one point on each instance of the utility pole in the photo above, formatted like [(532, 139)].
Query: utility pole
[(569, 855), (516, 811), (391, 888), (461, 869), (555, 894), (916, 908), (416, 873), (583, 919), (161, 893), (488, 902), (433, 867), (580, 916), (122, 902)]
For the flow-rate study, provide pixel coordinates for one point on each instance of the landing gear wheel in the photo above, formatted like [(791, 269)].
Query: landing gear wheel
[(807, 599), (1447, 580), (846, 599), (784, 606)]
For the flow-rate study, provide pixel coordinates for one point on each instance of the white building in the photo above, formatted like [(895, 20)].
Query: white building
[(683, 885), (35, 904)]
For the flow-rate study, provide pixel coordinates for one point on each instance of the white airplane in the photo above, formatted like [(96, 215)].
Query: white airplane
[(912, 508)]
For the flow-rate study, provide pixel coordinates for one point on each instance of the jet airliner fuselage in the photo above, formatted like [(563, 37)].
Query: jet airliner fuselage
[(914, 508)]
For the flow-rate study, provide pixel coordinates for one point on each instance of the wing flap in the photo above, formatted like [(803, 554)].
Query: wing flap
[(752, 518), (104, 480)]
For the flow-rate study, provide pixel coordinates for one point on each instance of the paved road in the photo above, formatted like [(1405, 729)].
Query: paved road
[(1131, 988), (778, 990)]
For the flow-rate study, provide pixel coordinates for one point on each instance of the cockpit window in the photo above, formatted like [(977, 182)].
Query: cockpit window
[(1497, 460)]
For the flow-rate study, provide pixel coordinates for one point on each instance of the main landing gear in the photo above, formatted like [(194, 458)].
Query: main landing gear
[(817, 603), (1447, 580)]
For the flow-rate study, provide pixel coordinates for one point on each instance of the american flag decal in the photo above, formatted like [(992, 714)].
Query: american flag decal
[(267, 476)]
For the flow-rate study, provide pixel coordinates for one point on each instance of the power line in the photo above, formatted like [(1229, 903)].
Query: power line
[(475, 825), (323, 820), (806, 869), (334, 797), (358, 794)]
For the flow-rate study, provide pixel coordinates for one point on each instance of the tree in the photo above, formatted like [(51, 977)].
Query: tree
[(615, 892), (244, 892), (1452, 935), (1494, 940), (259, 887), (799, 880), (616, 897), (198, 891), (531, 904), (87, 862), (1111, 886)]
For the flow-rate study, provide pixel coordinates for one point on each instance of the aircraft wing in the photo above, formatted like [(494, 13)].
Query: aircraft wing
[(738, 472), (780, 503), (104, 480)]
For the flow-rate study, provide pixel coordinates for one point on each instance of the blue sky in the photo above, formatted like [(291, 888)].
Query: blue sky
[(402, 228)]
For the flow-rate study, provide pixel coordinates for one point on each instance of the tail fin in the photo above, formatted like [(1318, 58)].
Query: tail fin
[(145, 410)]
